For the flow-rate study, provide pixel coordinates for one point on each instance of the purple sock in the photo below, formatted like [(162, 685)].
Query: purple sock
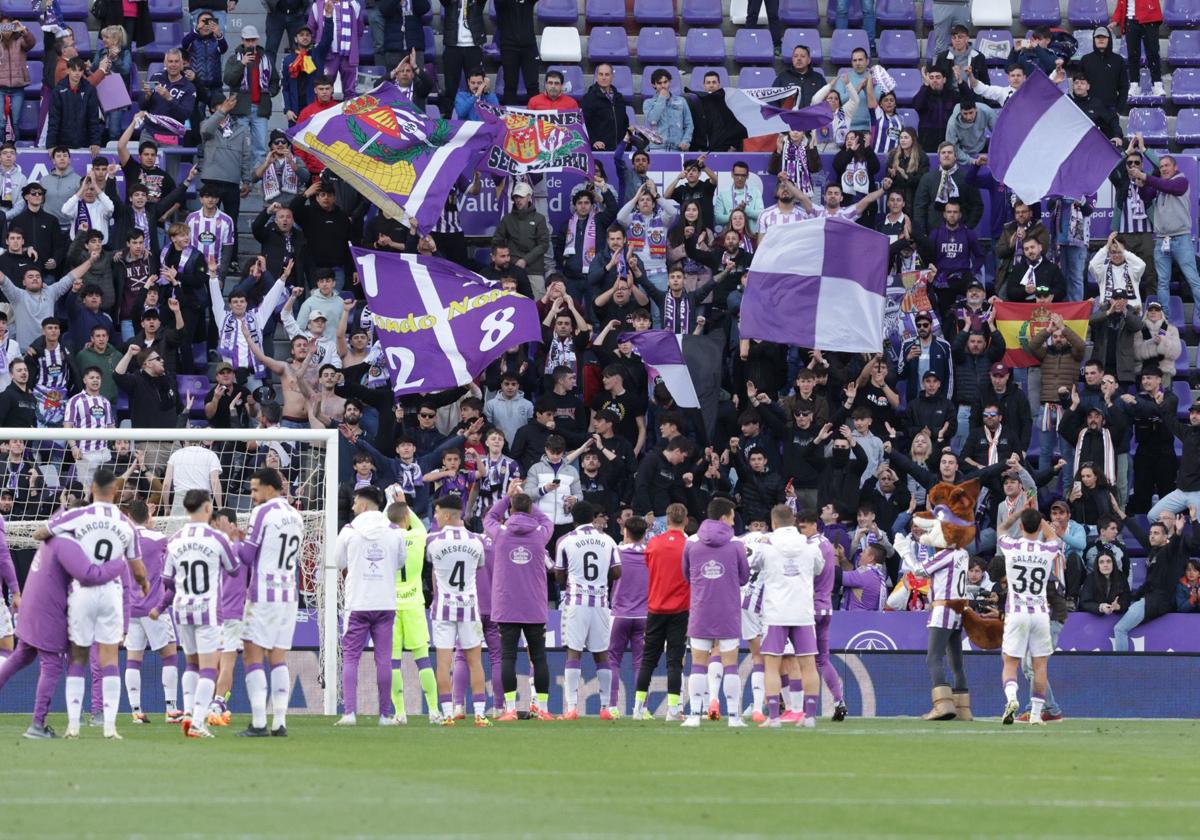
[(460, 681), (109, 671), (133, 665), (50, 668), (699, 669), (810, 705), (773, 707), (75, 669), (572, 662), (424, 663), (759, 668)]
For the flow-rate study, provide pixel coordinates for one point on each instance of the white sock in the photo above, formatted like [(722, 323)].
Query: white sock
[(758, 689), (713, 686), (133, 688), (448, 709), (170, 683), (796, 697), (696, 684), (480, 707), (1010, 691), (637, 708), (189, 680), (110, 688), (1035, 708), (281, 693), (204, 696), (256, 688), (571, 687), (74, 695), (604, 675), (510, 705), (733, 694)]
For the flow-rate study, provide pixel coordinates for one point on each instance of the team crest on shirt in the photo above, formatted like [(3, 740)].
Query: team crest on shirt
[(98, 412), (712, 570), (520, 555), (791, 568), (374, 557)]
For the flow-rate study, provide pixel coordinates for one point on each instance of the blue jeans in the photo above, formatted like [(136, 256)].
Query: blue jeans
[(960, 431), (1074, 262), (1134, 616), (1027, 669), (1177, 501), (127, 331), (843, 14), (258, 134), (1182, 254), (16, 96)]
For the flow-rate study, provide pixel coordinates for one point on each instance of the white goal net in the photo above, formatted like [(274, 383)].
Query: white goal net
[(47, 470)]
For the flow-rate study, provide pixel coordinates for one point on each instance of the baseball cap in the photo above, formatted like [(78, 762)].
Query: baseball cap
[(224, 366), (1094, 409), (1061, 505), (1195, 406), (1013, 475), (999, 369), (1154, 305), (1119, 294), (931, 374), (249, 33), (975, 283), (923, 316), (315, 314), (522, 189)]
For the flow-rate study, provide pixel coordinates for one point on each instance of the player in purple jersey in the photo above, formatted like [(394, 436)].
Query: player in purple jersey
[(58, 566), (715, 566), (629, 598), (8, 575), (97, 614), (823, 583), (145, 632), (229, 613)]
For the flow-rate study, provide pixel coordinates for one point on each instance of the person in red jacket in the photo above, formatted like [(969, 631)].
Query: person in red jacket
[(1138, 22), (323, 91), (554, 98), (667, 602)]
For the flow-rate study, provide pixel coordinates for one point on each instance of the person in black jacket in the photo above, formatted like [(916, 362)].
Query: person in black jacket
[(74, 112), (934, 190), (1098, 111), (759, 488), (1106, 70), (18, 407), (42, 231), (715, 128), (840, 476), (932, 412), (529, 443), (1013, 404), (153, 399), (281, 241), (659, 477), (1154, 462), (403, 33), (1168, 541), (518, 48), (604, 112), (460, 54), (1105, 590)]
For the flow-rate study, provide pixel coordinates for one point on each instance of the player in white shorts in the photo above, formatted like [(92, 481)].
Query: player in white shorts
[(272, 551), (192, 588), (752, 628), (455, 554), (96, 614), (1029, 562), (156, 634), (585, 563)]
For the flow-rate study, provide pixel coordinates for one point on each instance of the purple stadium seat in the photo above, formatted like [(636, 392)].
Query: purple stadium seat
[(1181, 14), (910, 117), (844, 42), (366, 47), (1087, 12), (605, 12), (902, 13), (608, 43), (704, 46), (154, 68), (898, 48), (753, 46), (703, 13), (39, 46), (573, 84), (654, 12), (1185, 86), (996, 35), (908, 82), (78, 9), (33, 90), (83, 38), (165, 9), (1183, 50), (166, 35), (555, 12), (28, 127), (1151, 122), (1182, 390), (193, 385), (676, 80), (491, 52), (427, 31), (1040, 13), (622, 80), (756, 77), (695, 82), (19, 10), (656, 45), (799, 13), (854, 14), (1187, 126), (810, 38), (927, 16)]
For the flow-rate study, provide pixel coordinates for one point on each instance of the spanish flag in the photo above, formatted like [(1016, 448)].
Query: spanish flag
[(1020, 322)]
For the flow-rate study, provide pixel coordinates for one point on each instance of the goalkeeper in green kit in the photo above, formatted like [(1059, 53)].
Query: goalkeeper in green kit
[(411, 631)]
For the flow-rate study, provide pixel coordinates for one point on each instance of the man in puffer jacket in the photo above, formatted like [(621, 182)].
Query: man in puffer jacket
[(74, 112)]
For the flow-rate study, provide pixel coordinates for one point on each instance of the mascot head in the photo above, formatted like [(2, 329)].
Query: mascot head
[(950, 520)]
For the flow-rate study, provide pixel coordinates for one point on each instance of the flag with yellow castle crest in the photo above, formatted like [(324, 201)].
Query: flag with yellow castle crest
[(402, 160), (537, 141)]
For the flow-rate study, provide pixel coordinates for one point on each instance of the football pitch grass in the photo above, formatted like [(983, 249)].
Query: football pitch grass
[(864, 777)]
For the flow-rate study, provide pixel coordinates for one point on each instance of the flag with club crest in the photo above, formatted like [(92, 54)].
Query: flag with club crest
[(537, 141), (402, 160)]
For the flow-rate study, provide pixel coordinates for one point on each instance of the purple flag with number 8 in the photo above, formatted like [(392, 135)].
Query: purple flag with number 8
[(440, 325)]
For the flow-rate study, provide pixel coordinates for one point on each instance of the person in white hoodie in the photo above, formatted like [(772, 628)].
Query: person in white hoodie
[(508, 410), (787, 563), (371, 550), (553, 484)]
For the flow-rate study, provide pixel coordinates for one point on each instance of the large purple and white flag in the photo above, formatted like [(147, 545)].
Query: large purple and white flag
[(438, 324), (400, 159), (689, 365), (819, 283), (752, 111), (1043, 145)]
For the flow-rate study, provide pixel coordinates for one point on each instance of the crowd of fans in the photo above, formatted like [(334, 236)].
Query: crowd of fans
[(135, 305)]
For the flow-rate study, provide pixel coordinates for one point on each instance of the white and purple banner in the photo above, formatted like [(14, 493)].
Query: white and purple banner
[(1043, 145), (440, 325), (819, 283), (752, 111), (689, 365)]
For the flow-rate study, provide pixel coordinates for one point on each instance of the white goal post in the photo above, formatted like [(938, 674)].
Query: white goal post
[(316, 471)]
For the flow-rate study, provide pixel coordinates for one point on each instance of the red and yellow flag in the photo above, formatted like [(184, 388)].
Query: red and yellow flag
[(1020, 322)]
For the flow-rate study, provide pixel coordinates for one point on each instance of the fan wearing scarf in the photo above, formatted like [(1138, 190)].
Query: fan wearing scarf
[(579, 242), (949, 527), (796, 156), (646, 219), (251, 72), (348, 22), (831, 138), (303, 64), (231, 343), (1116, 267)]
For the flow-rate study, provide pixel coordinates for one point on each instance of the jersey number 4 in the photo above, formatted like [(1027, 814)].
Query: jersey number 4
[(458, 576)]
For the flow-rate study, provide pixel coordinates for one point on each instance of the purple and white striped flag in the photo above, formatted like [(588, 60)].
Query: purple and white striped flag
[(752, 111), (1043, 145), (819, 283), (440, 325), (689, 365)]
